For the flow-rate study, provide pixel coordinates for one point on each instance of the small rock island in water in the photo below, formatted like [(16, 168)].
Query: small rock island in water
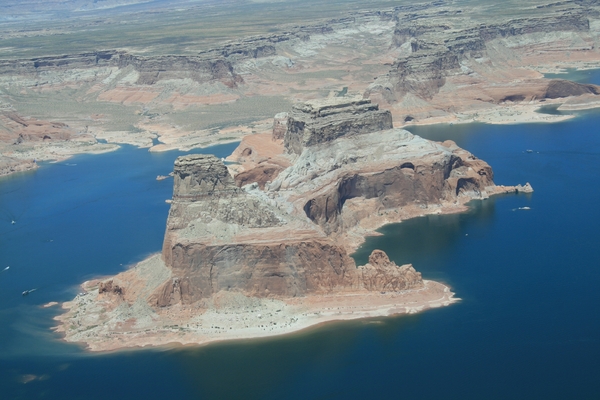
[(262, 248)]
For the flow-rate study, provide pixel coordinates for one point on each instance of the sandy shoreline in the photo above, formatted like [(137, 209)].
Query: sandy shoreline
[(506, 115), (233, 316), (113, 321), (171, 139)]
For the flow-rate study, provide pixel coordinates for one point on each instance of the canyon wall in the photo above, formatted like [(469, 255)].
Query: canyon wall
[(484, 59), (423, 63)]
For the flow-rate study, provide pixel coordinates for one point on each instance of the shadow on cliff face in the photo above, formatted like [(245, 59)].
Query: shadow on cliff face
[(415, 240)]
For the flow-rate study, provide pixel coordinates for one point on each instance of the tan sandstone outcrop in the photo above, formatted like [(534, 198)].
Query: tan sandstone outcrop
[(23, 140), (10, 165), (454, 61), (288, 239), (248, 250), (382, 274)]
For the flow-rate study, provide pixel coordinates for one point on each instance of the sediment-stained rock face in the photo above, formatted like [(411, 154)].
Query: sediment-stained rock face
[(288, 269)]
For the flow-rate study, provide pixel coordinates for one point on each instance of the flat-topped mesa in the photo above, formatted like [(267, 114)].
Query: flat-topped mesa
[(199, 175), (207, 205), (436, 46), (202, 69), (319, 121)]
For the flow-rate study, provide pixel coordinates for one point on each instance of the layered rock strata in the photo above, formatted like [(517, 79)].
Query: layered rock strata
[(434, 62), (215, 64), (454, 61), (321, 121), (204, 68), (288, 239), (438, 50), (244, 251)]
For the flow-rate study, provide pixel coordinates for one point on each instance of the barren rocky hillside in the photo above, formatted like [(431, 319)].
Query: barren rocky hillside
[(443, 61)]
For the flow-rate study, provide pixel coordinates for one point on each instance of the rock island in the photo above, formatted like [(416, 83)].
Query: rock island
[(262, 247)]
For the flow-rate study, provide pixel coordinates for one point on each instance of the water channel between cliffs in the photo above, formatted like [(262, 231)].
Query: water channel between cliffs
[(526, 327)]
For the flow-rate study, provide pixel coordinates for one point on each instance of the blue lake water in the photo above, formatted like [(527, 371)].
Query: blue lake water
[(527, 327), (581, 76)]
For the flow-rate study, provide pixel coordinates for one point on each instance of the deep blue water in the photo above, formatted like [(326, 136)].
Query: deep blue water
[(527, 327)]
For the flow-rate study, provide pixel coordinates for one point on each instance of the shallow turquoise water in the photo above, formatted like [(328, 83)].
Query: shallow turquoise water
[(527, 326)]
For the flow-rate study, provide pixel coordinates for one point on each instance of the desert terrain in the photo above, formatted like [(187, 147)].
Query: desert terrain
[(270, 237), (161, 78), (317, 99)]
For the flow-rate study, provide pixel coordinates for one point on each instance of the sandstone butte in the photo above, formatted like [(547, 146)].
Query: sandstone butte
[(272, 256)]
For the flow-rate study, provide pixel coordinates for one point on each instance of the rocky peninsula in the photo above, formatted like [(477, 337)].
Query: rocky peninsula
[(272, 256)]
